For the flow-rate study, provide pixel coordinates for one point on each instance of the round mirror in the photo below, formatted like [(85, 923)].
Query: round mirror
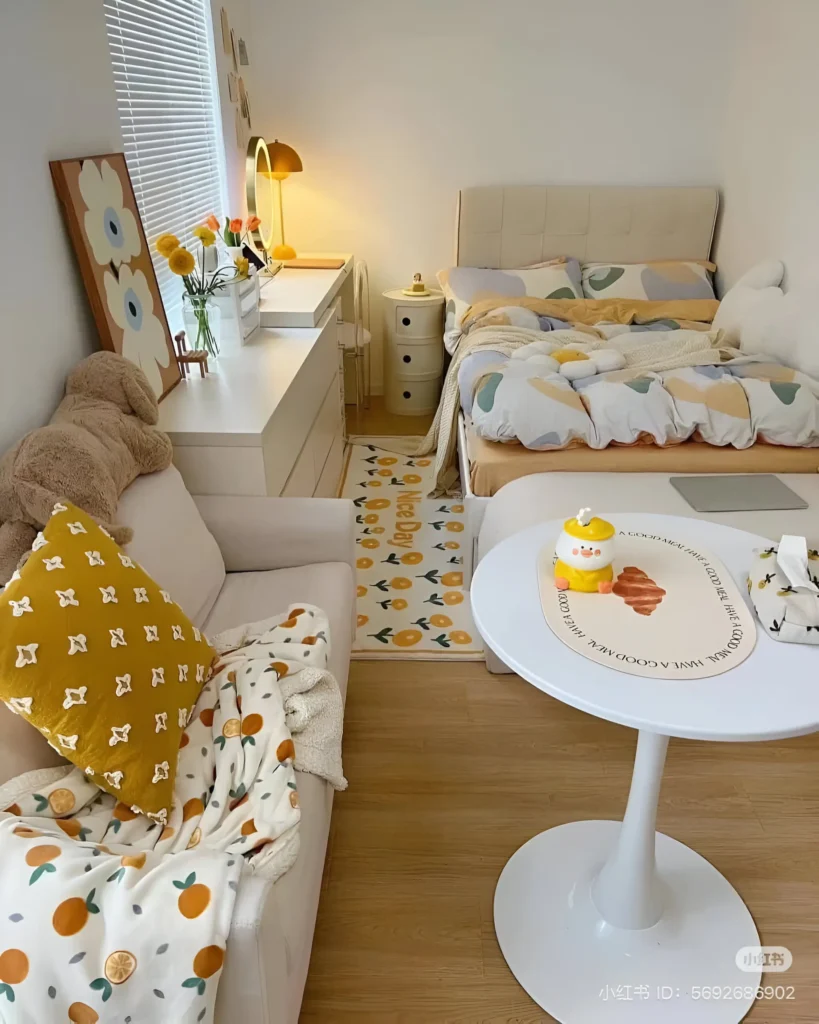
[(259, 189)]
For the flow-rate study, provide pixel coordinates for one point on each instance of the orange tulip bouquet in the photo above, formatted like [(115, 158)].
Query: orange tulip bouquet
[(236, 232), (235, 235)]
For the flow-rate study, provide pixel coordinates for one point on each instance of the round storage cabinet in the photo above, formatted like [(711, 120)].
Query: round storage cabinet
[(413, 352)]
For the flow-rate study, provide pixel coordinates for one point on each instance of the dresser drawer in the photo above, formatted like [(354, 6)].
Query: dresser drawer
[(302, 480), (288, 428), (327, 486), (416, 360), (327, 427), (414, 321), (412, 397)]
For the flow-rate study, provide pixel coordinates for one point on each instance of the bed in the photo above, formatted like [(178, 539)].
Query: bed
[(520, 226)]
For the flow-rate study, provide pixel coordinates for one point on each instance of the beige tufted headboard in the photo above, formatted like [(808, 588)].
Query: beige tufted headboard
[(515, 226)]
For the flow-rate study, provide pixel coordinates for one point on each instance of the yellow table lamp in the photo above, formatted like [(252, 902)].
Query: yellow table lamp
[(284, 161)]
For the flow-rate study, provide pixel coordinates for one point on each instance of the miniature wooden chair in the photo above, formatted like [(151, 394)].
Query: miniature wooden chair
[(185, 358)]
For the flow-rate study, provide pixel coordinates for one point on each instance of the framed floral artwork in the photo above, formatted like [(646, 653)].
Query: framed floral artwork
[(115, 262)]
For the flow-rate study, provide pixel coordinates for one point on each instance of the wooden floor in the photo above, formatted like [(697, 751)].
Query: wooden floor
[(452, 769), (377, 422)]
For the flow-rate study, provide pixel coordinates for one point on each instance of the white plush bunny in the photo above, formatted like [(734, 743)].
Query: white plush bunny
[(763, 318)]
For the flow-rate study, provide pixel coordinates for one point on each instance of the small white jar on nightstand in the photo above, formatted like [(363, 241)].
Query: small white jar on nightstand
[(413, 352)]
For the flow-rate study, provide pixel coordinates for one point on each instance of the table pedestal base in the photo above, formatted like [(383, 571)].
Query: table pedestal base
[(583, 970), (606, 921)]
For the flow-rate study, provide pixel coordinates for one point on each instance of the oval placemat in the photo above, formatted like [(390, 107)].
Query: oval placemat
[(675, 612)]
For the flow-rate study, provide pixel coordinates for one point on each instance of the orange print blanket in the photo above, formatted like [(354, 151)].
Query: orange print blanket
[(108, 915)]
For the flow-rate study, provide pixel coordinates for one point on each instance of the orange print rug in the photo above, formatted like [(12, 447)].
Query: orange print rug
[(411, 598)]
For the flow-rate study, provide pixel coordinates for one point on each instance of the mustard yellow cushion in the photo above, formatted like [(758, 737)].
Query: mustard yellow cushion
[(101, 660)]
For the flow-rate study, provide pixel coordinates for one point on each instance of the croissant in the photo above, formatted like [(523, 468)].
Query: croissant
[(638, 590)]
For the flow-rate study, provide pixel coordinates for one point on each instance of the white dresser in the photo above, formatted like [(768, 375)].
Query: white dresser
[(269, 419), (414, 352)]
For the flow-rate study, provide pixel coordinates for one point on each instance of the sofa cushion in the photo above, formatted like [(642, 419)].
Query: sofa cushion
[(251, 596), (106, 666), (22, 747), (271, 934), (175, 547), (172, 543)]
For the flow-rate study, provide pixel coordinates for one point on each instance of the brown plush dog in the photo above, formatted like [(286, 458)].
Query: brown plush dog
[(100, 439)]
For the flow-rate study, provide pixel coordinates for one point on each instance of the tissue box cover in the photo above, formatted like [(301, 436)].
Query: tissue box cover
[(785, 613)]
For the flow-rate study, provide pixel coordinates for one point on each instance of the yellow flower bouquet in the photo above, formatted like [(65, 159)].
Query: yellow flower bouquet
[(200, 312)]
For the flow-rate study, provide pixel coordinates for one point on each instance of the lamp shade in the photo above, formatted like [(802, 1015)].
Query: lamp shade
[(284, 160)]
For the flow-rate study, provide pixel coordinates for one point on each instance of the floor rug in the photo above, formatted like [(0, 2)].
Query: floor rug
[(411, 599)]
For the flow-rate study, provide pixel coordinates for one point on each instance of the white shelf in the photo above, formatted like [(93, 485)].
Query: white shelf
[(298, 297)]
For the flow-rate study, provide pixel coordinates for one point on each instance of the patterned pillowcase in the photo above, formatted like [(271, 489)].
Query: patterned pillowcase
[(664, 280), (557, 279), (101, 660)]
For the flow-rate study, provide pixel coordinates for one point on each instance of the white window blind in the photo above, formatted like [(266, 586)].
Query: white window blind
[(162, 55)]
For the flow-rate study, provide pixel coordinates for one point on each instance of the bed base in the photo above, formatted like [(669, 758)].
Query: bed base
[(474, 506)]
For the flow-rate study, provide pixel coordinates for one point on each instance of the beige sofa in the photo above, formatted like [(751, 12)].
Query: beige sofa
[(229, 560)]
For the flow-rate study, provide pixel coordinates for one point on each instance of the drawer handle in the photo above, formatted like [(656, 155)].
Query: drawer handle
[(405, 321), (407, 394), (407, 359)]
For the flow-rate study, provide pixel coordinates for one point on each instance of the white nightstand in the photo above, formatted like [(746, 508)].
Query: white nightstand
[(414, 351)]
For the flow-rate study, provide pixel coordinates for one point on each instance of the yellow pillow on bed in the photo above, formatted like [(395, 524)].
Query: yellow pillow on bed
[(101, 660)]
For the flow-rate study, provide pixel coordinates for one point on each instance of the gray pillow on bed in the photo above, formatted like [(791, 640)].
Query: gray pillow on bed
[(661, 280), (557, 279)]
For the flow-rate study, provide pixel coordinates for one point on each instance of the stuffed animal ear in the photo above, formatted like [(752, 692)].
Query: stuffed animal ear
[(141, 397), (113, 378)]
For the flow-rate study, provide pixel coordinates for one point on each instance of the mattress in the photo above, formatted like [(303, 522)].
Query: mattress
[(492, 464)]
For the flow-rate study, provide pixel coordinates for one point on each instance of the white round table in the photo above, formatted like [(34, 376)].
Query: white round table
[(603, 921)]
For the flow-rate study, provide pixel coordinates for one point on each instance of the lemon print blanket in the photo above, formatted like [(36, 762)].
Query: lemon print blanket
[(108, 916)]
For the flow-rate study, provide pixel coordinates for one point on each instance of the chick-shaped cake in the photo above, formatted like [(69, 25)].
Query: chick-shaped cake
[(585, 553)]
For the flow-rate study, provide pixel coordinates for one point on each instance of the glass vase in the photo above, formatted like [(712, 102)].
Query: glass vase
[(203, 320)]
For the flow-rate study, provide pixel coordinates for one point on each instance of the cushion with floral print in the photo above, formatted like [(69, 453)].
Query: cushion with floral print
[(101, 660)]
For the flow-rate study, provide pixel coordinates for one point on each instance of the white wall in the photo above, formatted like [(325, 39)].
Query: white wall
[(770, 144), (239, 19), (394, 105), (56, 100)]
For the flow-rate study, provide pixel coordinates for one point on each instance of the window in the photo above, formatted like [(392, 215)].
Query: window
[(162, 54)]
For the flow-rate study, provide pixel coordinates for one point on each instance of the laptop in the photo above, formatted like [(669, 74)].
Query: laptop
[(737, 493)]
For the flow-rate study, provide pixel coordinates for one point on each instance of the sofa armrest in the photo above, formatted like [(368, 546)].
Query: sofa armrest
[(256, 959), (279, 533)]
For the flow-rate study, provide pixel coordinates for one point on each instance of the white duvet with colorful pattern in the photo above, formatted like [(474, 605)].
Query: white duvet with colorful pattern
[(107, 916), (739, 402)]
